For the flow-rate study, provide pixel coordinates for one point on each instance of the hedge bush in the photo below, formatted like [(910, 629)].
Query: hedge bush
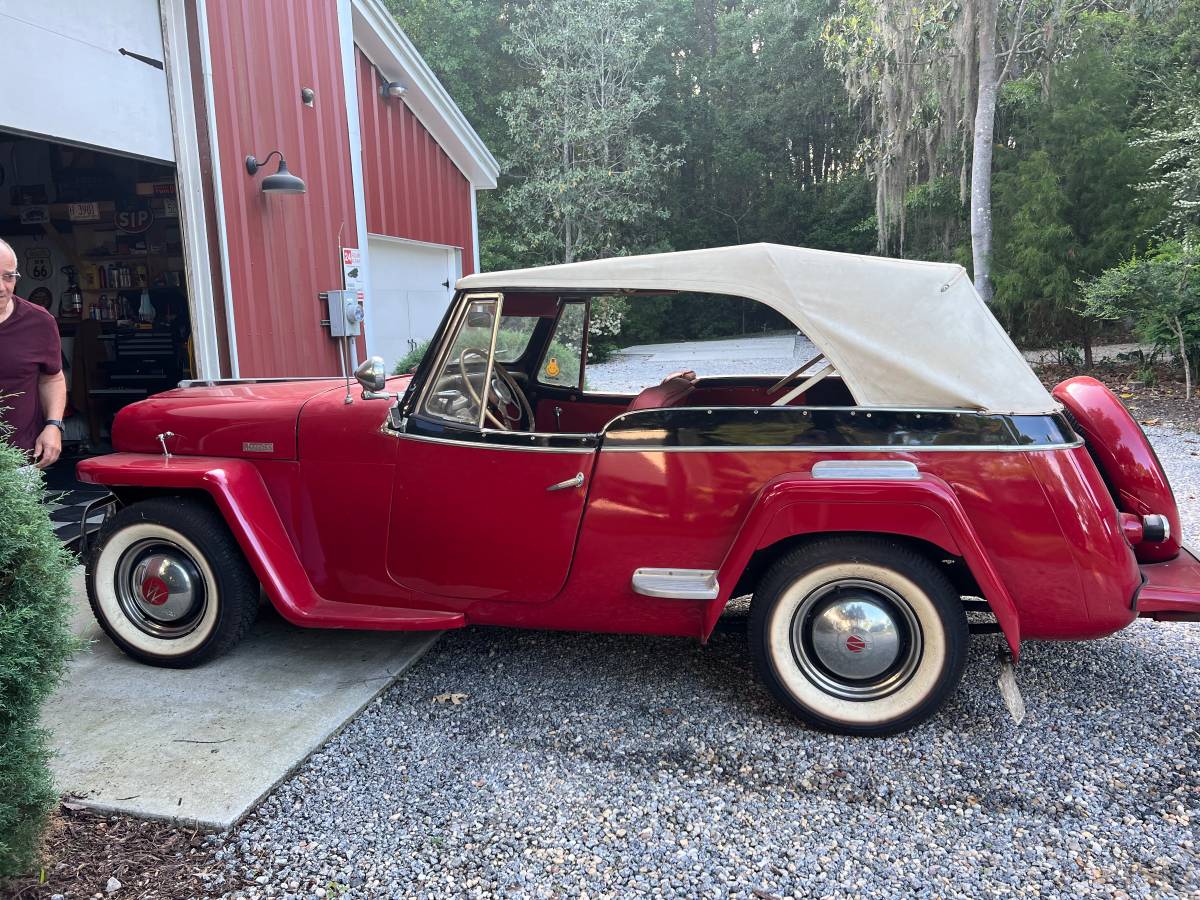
[(35, 642), (411, 359)]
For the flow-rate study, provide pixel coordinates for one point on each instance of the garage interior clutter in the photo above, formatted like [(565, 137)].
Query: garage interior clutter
[(98, 245)]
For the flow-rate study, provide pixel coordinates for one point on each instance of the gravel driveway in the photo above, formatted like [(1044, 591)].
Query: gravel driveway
[(590, 765)]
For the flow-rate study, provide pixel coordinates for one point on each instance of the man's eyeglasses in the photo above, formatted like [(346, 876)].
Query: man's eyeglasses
[(10, 277)]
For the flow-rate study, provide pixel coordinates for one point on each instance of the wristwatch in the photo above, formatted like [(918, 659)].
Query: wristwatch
[(57, 423)]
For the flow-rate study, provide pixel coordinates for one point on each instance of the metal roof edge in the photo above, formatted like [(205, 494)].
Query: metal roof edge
[(378, 35)]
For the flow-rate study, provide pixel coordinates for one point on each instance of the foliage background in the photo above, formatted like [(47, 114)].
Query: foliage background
[(803, 121)]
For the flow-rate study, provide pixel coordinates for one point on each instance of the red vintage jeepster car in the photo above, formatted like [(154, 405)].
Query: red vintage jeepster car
[(912, 472)]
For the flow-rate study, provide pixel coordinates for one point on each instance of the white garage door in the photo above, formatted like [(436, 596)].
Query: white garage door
[(411, 286), (66, 77)]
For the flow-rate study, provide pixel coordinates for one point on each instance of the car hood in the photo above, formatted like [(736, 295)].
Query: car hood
[(250, 419)]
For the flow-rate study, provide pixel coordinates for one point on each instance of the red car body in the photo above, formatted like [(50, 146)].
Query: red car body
[(1038, 528), (361, 515)]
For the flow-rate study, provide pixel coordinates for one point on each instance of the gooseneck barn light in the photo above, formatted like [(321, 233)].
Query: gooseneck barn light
[(282, 182)]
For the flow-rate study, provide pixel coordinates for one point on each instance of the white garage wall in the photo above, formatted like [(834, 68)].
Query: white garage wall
[(63, 75), (411, 285)]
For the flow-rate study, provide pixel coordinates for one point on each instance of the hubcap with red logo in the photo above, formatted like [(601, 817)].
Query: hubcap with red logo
[(856, 639), (160, 588)]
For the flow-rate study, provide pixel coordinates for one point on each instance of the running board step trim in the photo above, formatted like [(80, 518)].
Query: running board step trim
[(677, 584)]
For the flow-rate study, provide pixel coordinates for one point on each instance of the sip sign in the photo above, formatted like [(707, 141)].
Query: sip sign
[(135, 221)]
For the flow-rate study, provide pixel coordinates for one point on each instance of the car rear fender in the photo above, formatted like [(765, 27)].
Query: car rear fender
[(238, 490), (924, 508)]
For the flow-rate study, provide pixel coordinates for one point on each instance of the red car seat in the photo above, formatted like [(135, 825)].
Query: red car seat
[(673, 390)]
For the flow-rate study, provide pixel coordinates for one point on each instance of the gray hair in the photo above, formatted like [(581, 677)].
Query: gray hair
[(5, 245)]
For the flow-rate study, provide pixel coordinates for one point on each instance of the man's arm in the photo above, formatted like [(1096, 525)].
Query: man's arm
[(52, 392)]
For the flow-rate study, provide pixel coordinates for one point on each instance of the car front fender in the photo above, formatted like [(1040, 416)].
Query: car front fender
[(242, 498), (924, 508)]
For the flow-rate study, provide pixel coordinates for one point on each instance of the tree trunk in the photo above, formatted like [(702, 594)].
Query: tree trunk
[(568, 248), (981, 154), (1187, 367)]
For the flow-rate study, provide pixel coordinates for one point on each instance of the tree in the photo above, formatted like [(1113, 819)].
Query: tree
[(584, 176), (1162, 294), (1067, 185), (1177, 169), (929, 75), (1034, 282)]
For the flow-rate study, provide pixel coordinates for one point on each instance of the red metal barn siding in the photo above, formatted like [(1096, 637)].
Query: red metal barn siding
[(413, 190), (282, 248)]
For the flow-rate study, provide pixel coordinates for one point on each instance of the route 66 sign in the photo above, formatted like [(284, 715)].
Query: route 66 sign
[(37, 263)]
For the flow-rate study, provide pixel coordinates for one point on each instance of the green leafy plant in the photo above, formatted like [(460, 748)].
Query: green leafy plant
[(411, 359), (1161, 293), (35, 643), (1068, 355)]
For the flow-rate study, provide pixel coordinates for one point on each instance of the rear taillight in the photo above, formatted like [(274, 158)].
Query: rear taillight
[(1152, 529)]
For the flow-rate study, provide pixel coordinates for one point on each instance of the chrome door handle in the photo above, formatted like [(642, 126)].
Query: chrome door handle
[(575, 482)]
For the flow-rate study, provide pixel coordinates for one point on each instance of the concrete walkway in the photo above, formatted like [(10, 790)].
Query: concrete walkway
[(202, 746)]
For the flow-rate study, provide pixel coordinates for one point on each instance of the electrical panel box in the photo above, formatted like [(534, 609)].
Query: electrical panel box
[(345, 313)]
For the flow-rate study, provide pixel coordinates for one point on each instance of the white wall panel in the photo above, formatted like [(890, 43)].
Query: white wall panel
[(64, 77), (410, 287)]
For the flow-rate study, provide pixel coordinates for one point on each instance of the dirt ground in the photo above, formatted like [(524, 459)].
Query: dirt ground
[(156, 861), (82, 851), (1161, 402)]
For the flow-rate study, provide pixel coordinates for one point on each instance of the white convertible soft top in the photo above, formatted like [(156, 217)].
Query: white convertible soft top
[(902, 333)]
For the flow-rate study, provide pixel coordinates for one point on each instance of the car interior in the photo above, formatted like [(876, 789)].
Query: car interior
[(539, 380)]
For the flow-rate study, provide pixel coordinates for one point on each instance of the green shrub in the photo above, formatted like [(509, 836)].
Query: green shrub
[(1068, 354), (1161, 293), (35, 642), (411, 359)]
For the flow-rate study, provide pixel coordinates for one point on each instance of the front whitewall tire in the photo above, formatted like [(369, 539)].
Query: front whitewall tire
[(109, 606), (206, 603)]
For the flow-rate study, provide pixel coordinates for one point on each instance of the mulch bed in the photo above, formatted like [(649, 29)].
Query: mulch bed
[(1159, 403), (82, 850)]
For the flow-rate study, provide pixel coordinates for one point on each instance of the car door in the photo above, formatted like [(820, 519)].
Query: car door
[(479, 510)]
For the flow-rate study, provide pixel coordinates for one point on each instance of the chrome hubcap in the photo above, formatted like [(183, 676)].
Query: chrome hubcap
[(160, 589), (856, 639)]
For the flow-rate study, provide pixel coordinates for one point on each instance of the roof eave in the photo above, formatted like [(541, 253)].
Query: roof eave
[(390, 50)]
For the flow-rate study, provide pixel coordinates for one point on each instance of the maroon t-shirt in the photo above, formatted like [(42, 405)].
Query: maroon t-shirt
[(29, 348)]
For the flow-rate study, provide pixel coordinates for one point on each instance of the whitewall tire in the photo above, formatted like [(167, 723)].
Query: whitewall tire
[(858, 635), (169, 584)]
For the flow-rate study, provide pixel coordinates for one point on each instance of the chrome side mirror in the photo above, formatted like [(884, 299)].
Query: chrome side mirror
[(373, 377)]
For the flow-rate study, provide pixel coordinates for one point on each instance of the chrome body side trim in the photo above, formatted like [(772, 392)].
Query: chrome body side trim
[(676, 584), (867, 469), (882, 448), (221, 382), (587, 449)]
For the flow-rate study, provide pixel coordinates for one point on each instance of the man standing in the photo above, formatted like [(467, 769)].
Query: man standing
[(32, 385)]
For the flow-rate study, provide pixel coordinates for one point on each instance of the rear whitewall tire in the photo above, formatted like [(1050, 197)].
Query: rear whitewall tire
[(226, 590), (924, 609)]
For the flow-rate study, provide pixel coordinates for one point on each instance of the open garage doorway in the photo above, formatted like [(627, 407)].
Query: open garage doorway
[(98, 244), (411, 286)]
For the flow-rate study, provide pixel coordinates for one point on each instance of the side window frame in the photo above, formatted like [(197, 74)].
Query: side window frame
[(450, 335), (563, 303)]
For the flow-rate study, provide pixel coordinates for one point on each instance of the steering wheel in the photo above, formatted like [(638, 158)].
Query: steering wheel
[(503, 394)]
